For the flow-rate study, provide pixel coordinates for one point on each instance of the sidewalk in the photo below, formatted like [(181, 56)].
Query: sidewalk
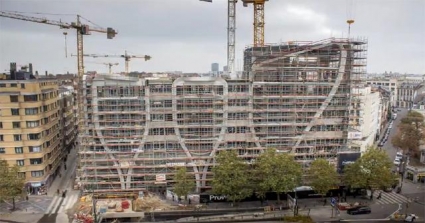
[(67, 175)]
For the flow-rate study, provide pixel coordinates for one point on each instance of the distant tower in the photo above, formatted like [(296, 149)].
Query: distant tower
[(215, 68), (225, 69)]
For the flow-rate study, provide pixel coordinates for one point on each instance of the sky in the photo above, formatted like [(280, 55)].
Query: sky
[(189, 35)]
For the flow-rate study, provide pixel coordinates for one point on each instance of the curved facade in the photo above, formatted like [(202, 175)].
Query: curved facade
[(296, 98)]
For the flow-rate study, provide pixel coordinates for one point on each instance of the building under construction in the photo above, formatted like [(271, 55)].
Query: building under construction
[(295, 97)]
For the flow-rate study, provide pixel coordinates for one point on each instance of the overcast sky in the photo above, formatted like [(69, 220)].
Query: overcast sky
[(189, 35)]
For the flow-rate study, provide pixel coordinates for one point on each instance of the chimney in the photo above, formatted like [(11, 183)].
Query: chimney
[(36, 73), (30, 68), (46, 73)]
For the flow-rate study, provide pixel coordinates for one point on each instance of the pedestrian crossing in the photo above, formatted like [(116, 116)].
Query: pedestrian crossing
[(61, 204), (389, 198)]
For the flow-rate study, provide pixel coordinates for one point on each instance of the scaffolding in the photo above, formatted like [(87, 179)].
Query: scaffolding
[(295, 97)]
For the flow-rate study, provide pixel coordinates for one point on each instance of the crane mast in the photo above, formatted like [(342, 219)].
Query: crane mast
[(231, 35), (258, 20)]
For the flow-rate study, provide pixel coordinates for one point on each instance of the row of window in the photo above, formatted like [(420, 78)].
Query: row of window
[(34, 161), (29, 124), (20, 150), (12, 85), (38, 173)]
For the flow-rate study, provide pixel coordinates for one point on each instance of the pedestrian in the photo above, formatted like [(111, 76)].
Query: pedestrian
[(379, 195), (58, 191), (324, 202), (26, 197)]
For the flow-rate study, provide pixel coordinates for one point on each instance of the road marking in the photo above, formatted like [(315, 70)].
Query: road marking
[(390, 198), (53, 204), (69, 203)]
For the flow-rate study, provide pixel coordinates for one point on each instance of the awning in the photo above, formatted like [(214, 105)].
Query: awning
[(36, 184)]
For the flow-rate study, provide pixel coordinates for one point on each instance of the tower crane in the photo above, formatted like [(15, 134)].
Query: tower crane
[(109, 65), (126, 57), (258, 20), (81, 31), (231, 27)]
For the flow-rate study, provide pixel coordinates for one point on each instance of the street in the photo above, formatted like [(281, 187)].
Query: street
[(51, 207)]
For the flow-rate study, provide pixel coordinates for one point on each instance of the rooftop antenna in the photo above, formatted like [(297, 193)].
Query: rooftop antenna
[(66, 48)]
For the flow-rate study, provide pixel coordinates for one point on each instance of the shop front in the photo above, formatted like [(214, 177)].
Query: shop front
[(415, 174)]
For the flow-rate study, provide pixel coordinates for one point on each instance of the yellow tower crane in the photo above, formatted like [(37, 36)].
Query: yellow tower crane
[(126, 57), (81, 31), (258, 20)]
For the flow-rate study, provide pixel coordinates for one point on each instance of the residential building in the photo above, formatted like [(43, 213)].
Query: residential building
[(67, 118), (407, 93), (389, 84), (368, 115), (29, 127), (300, 98)]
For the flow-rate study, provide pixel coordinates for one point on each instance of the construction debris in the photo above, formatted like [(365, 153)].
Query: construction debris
[(151, 202)]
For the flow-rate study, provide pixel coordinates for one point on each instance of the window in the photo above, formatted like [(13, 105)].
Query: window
[(31, 111), (16, 125), (21, 174), (1, 125), (22, 86), (13, 98), (32, 124), (19, 150), (39, 173), (20, 162), (17, 137), (2, 85), (15, 111), (2, 150), (29, 98), (13, 85), (36, 161), (34, 149), (34, 136), (1, 138)]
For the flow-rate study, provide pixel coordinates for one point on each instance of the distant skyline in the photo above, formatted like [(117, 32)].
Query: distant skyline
[(189, 35)]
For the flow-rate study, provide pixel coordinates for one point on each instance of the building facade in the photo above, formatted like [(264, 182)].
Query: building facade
[(407, 93), (30, 129), (297, 98), (369, 113), (67, 118)]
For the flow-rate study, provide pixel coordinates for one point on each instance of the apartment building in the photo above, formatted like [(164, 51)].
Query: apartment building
[(68, 118), (295, 97), (389, 84), (407, 92), (368, 114), (29, 127)]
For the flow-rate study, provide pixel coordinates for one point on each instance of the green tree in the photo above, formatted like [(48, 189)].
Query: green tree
[(230, 176), (184, 183), (11, 185), (322, 176), (411, 133), (372, 171), (277, 172)]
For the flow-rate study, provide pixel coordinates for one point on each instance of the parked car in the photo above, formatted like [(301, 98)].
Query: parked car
[(397, 162), (359, 210)]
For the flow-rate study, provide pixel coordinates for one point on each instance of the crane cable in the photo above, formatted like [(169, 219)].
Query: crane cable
[(350, 14)]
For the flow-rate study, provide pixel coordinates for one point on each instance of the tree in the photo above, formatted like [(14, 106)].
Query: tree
[(230, 176), (323, 176), (184, 183), (371, 171), (411, 133), (11, 185), (277, 172)]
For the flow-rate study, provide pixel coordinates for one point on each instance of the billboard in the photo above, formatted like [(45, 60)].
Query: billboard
[(346, 159)]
